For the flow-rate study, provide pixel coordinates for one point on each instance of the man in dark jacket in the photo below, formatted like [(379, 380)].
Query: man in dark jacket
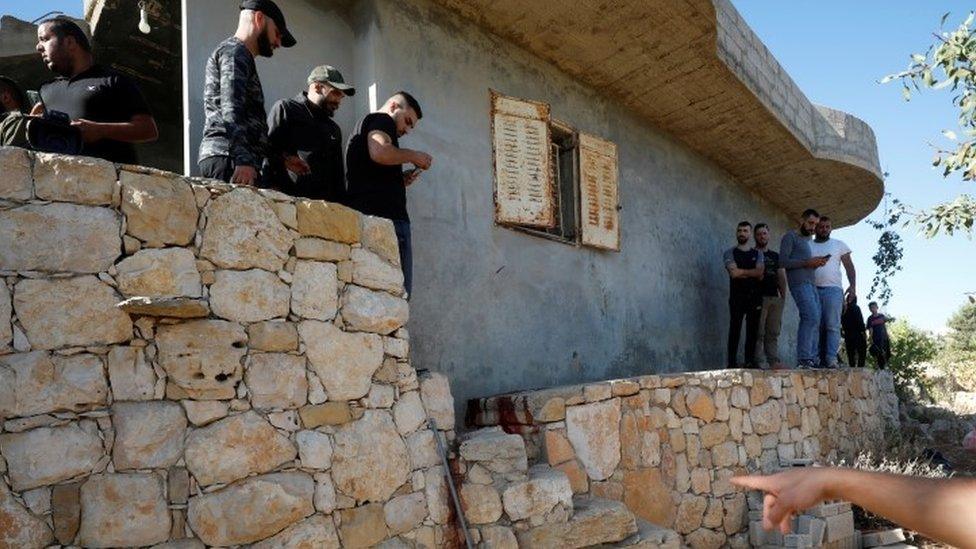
[(852, 327), (305, 157), (235, 130)]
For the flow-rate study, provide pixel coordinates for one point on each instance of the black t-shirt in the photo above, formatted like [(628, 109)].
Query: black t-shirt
[(302, 128), (876, 323), (373, 188), (770, 281), (852, 321), (99, 94), (750, 287)]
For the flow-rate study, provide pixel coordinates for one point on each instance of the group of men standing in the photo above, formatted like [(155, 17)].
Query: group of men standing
[(810, 271), (297, 149)]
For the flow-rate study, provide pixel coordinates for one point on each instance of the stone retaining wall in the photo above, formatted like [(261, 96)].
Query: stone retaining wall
[(666, 446), (189, 360)]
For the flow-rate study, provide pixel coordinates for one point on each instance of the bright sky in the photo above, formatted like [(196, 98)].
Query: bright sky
[(837, 50)]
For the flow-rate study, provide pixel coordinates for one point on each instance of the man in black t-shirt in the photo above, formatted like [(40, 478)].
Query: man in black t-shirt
[(105, 106), (376, 183), (745, 267), (773, 293)]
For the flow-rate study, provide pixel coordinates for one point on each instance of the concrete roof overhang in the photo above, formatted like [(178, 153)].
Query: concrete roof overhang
[(695, 69)]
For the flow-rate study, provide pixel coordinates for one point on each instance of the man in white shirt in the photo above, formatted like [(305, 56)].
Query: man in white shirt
[(830, 289)]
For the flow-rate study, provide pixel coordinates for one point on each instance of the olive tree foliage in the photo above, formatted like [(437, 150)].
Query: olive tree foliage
[(887, 258), (950, 63)]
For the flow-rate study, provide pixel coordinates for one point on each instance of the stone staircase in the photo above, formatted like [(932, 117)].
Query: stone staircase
[(508, 504)]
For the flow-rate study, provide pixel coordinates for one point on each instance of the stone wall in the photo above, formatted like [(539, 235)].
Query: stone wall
[(666, 446), (188, 360)]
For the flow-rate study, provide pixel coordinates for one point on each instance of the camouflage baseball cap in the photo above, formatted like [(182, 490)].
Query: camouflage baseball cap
[(328, 74)]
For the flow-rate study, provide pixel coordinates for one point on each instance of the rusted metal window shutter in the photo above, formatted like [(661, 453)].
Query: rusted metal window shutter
[(599, 216), (525, 190)]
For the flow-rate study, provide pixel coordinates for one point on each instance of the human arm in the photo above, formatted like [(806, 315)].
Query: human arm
[(383, 151), (235, 68), (848, 263), (141, 128), (781, 281), (282, 149), (786, 246), (941, 509), (37, 109)]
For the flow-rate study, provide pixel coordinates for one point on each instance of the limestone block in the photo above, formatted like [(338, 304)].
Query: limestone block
[(714, 433), (66, 511), (370, 460), (404, 513), (59, 238), (148, 435), (19, 527), (648, 495), (371, 271), (184, 543), (166, 272), (703, 537), (498, 537), (15, 165), (327, 413), (315, 290), (435, 391), (243, 232), (379, 237), (380, 396), (70, 312), (329, 221), (766, 418), (700, 404), (159, 210), (344, 362), (37, 383), (270, 503), (249, 296), (690, 513), (325, 494), (541, 493), (422, 447), (314, 449), (202, 357), (236, 447), (315, 532), (6, 328), (435, 489), (372, 311), (495, 450), (596, 522), (482, 504), (273, 336), (171, 307), (276, 380), (131, 376), (202, 412), (78, 179), (594, 431), (408, 413), (68, 451), (139, 517), (362, 526), (321, 250)]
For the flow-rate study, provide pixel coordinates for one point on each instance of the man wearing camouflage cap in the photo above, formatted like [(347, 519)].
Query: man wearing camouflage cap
[(305, 157), (235, 132)]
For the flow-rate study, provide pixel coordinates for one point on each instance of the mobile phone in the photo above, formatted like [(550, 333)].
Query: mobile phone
[(827, 256)]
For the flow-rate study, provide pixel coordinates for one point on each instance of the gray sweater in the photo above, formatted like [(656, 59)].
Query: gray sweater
[(794, 250)]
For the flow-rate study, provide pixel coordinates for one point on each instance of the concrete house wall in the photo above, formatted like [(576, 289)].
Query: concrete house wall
[(496, 309)]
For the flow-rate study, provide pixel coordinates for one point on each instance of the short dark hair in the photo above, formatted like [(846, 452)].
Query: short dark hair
[(411, 102), (824, 218), (810, 211), (62, 27), (761, 226), (875, 303), (744, 224), (10, 86)]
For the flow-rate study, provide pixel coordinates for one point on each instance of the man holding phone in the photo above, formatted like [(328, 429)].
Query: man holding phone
[(830, 289), (376, 182), (797, 258)]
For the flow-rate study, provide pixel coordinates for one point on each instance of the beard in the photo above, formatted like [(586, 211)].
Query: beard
[(805, 232), (264, 44), (741, 240)]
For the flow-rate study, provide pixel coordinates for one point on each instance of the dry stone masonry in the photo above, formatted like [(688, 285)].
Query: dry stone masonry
[(187, 363), (666, 446)]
